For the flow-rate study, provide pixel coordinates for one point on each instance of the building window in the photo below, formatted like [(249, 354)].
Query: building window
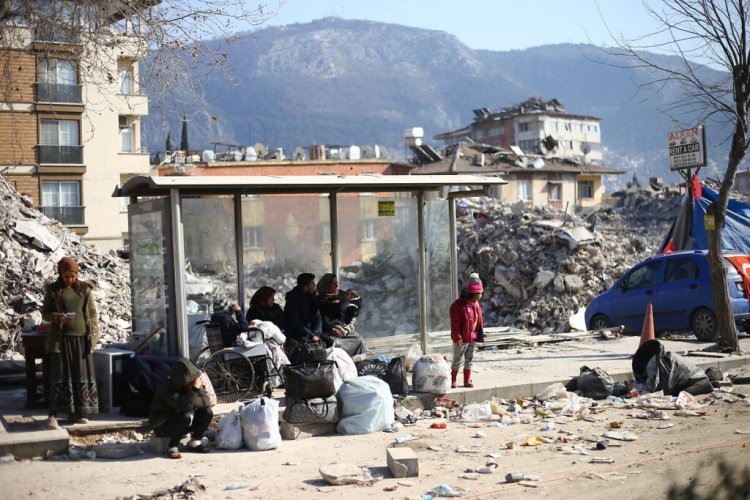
[(585, 190), (568, 127), (496, 132), (369, 230), (57, 81), (555, 191), (567, 144), (528, 145), (61, 200), (127, 78), (252, 237), (523, 127), (553, 126), (60, 142), (524, 189), (127, 134)]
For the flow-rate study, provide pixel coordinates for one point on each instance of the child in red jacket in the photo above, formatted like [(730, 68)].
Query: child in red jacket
[(467, 328)]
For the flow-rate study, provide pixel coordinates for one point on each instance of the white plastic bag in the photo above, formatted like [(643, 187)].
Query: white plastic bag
[(345, 367), (553, 391), (366, 406), (476, 412), (431, 374), (229, 432), (260, 424), (412, 355)]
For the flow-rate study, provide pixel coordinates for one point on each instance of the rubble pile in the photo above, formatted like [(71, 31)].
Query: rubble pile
[(534, 277), (30, 246)]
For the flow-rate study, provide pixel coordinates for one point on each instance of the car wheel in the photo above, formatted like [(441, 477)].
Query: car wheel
[(600, 322), (703, 324)]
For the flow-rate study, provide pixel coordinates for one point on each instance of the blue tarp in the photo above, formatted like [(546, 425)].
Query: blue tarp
[(692, 235)]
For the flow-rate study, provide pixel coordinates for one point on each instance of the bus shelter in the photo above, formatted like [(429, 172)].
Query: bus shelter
[(195, 240)]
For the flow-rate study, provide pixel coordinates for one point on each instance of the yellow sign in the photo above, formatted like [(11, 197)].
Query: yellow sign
[(708, 222), (387, 208)]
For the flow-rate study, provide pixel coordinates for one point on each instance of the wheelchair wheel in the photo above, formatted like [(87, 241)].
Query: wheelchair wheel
[(232, 375)]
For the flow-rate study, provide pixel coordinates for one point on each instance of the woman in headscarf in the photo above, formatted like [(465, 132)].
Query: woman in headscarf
[(263, 306), (330, 298), (70, 308)]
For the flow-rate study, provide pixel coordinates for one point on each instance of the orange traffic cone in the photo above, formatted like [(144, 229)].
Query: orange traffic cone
[(647, 333)]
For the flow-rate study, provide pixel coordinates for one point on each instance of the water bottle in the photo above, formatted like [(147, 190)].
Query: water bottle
[(235, 486), (513, 477)]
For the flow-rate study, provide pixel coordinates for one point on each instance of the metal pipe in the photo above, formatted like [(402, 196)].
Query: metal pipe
[(334, 223), (422, 264), (178, 263), (239, 250)]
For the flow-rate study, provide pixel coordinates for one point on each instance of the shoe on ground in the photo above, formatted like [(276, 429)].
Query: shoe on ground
[(174, 452), (201, 448)]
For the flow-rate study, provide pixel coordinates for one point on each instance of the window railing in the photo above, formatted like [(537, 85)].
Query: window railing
[(56, 34), (70, 216), (58, 92), (60, 154)]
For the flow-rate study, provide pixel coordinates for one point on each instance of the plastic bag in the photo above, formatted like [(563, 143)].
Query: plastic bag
[(431, 374), (412, 355), (476, 412), (658, 369), (366, 406), (345, 367), (229, 432), (554, 391), (595, 383), (260, 424)]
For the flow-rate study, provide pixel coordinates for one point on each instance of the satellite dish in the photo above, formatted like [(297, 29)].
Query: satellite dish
[(299, 153), (537, 163), (261, 150), (586, 148)]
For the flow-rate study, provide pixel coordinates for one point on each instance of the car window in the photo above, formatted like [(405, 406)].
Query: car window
[(644, 276), (681, 270)]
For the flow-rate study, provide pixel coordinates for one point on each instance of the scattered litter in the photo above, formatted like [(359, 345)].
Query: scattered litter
[(191, 488), (576, 449), (602, 444), (406, 484), (668, 425), (337, 474), (620, 436), (465, 451), (434, 447), (535, 441), (237, 486), (391, 488), (529, 484), (292, 464), (6, 459), (493, 455), (480, 434), (447, 491), (601, 460), (514, 477), (742, 431), (404, 439), (470, 475), (439, 425)]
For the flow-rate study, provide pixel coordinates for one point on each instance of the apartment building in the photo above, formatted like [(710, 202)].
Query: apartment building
[(536, 126), (70, 116)]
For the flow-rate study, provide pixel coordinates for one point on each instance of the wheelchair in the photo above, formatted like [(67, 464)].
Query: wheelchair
[(236, 373)]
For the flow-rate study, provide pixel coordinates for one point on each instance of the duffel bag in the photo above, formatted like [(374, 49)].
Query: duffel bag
[(309, 380), (312, 411)]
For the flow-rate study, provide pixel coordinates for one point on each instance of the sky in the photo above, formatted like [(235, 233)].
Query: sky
[(486, 24)]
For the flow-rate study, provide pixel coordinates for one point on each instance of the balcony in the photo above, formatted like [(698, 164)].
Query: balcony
[(60, 155), (56, 34), (70, 216), (57, 92)]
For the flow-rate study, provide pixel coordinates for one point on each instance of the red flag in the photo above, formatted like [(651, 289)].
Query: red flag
[(669, 248), (742, 264), (695, 185)]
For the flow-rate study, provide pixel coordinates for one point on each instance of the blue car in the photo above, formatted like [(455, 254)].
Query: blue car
[(679, 287)]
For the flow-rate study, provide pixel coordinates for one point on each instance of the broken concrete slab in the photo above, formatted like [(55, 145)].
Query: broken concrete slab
[(37, 233), (402, 462)]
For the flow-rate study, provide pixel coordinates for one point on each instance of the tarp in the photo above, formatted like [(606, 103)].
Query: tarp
[(688, 230)]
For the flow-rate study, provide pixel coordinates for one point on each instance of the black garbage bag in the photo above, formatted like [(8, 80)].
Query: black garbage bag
[(660, 370), (594, 383), (393, 373)]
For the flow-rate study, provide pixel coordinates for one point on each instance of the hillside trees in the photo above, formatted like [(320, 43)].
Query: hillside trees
[(705, 33)]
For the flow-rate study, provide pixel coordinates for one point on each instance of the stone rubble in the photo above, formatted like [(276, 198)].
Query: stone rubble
[(28, 262)]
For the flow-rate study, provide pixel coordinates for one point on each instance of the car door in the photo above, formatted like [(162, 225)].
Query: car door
[(681, 292), (637, 289)]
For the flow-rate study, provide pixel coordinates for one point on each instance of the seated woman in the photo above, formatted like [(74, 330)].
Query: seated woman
[(335, 328), (263, 307), (231, 321)]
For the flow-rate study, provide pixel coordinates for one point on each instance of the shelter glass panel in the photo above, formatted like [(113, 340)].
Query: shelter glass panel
[(151, 275), (438, 273), (381, 262), (210, 253), (283, 237)]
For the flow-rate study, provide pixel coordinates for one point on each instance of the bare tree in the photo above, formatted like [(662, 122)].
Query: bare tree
[(178, 42), (705, 33)]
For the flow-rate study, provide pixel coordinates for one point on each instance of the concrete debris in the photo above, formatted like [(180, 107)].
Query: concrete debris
[(540, 265), (30, 246)]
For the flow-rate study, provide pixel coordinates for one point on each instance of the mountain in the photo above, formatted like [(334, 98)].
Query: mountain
[(343, 82)]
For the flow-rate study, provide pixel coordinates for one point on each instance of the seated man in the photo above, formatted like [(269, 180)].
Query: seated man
[(302, 318), (337, 314), (181, 406), (231, 321)]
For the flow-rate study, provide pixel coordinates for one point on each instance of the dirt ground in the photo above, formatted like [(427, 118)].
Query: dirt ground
[(704, 453)]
